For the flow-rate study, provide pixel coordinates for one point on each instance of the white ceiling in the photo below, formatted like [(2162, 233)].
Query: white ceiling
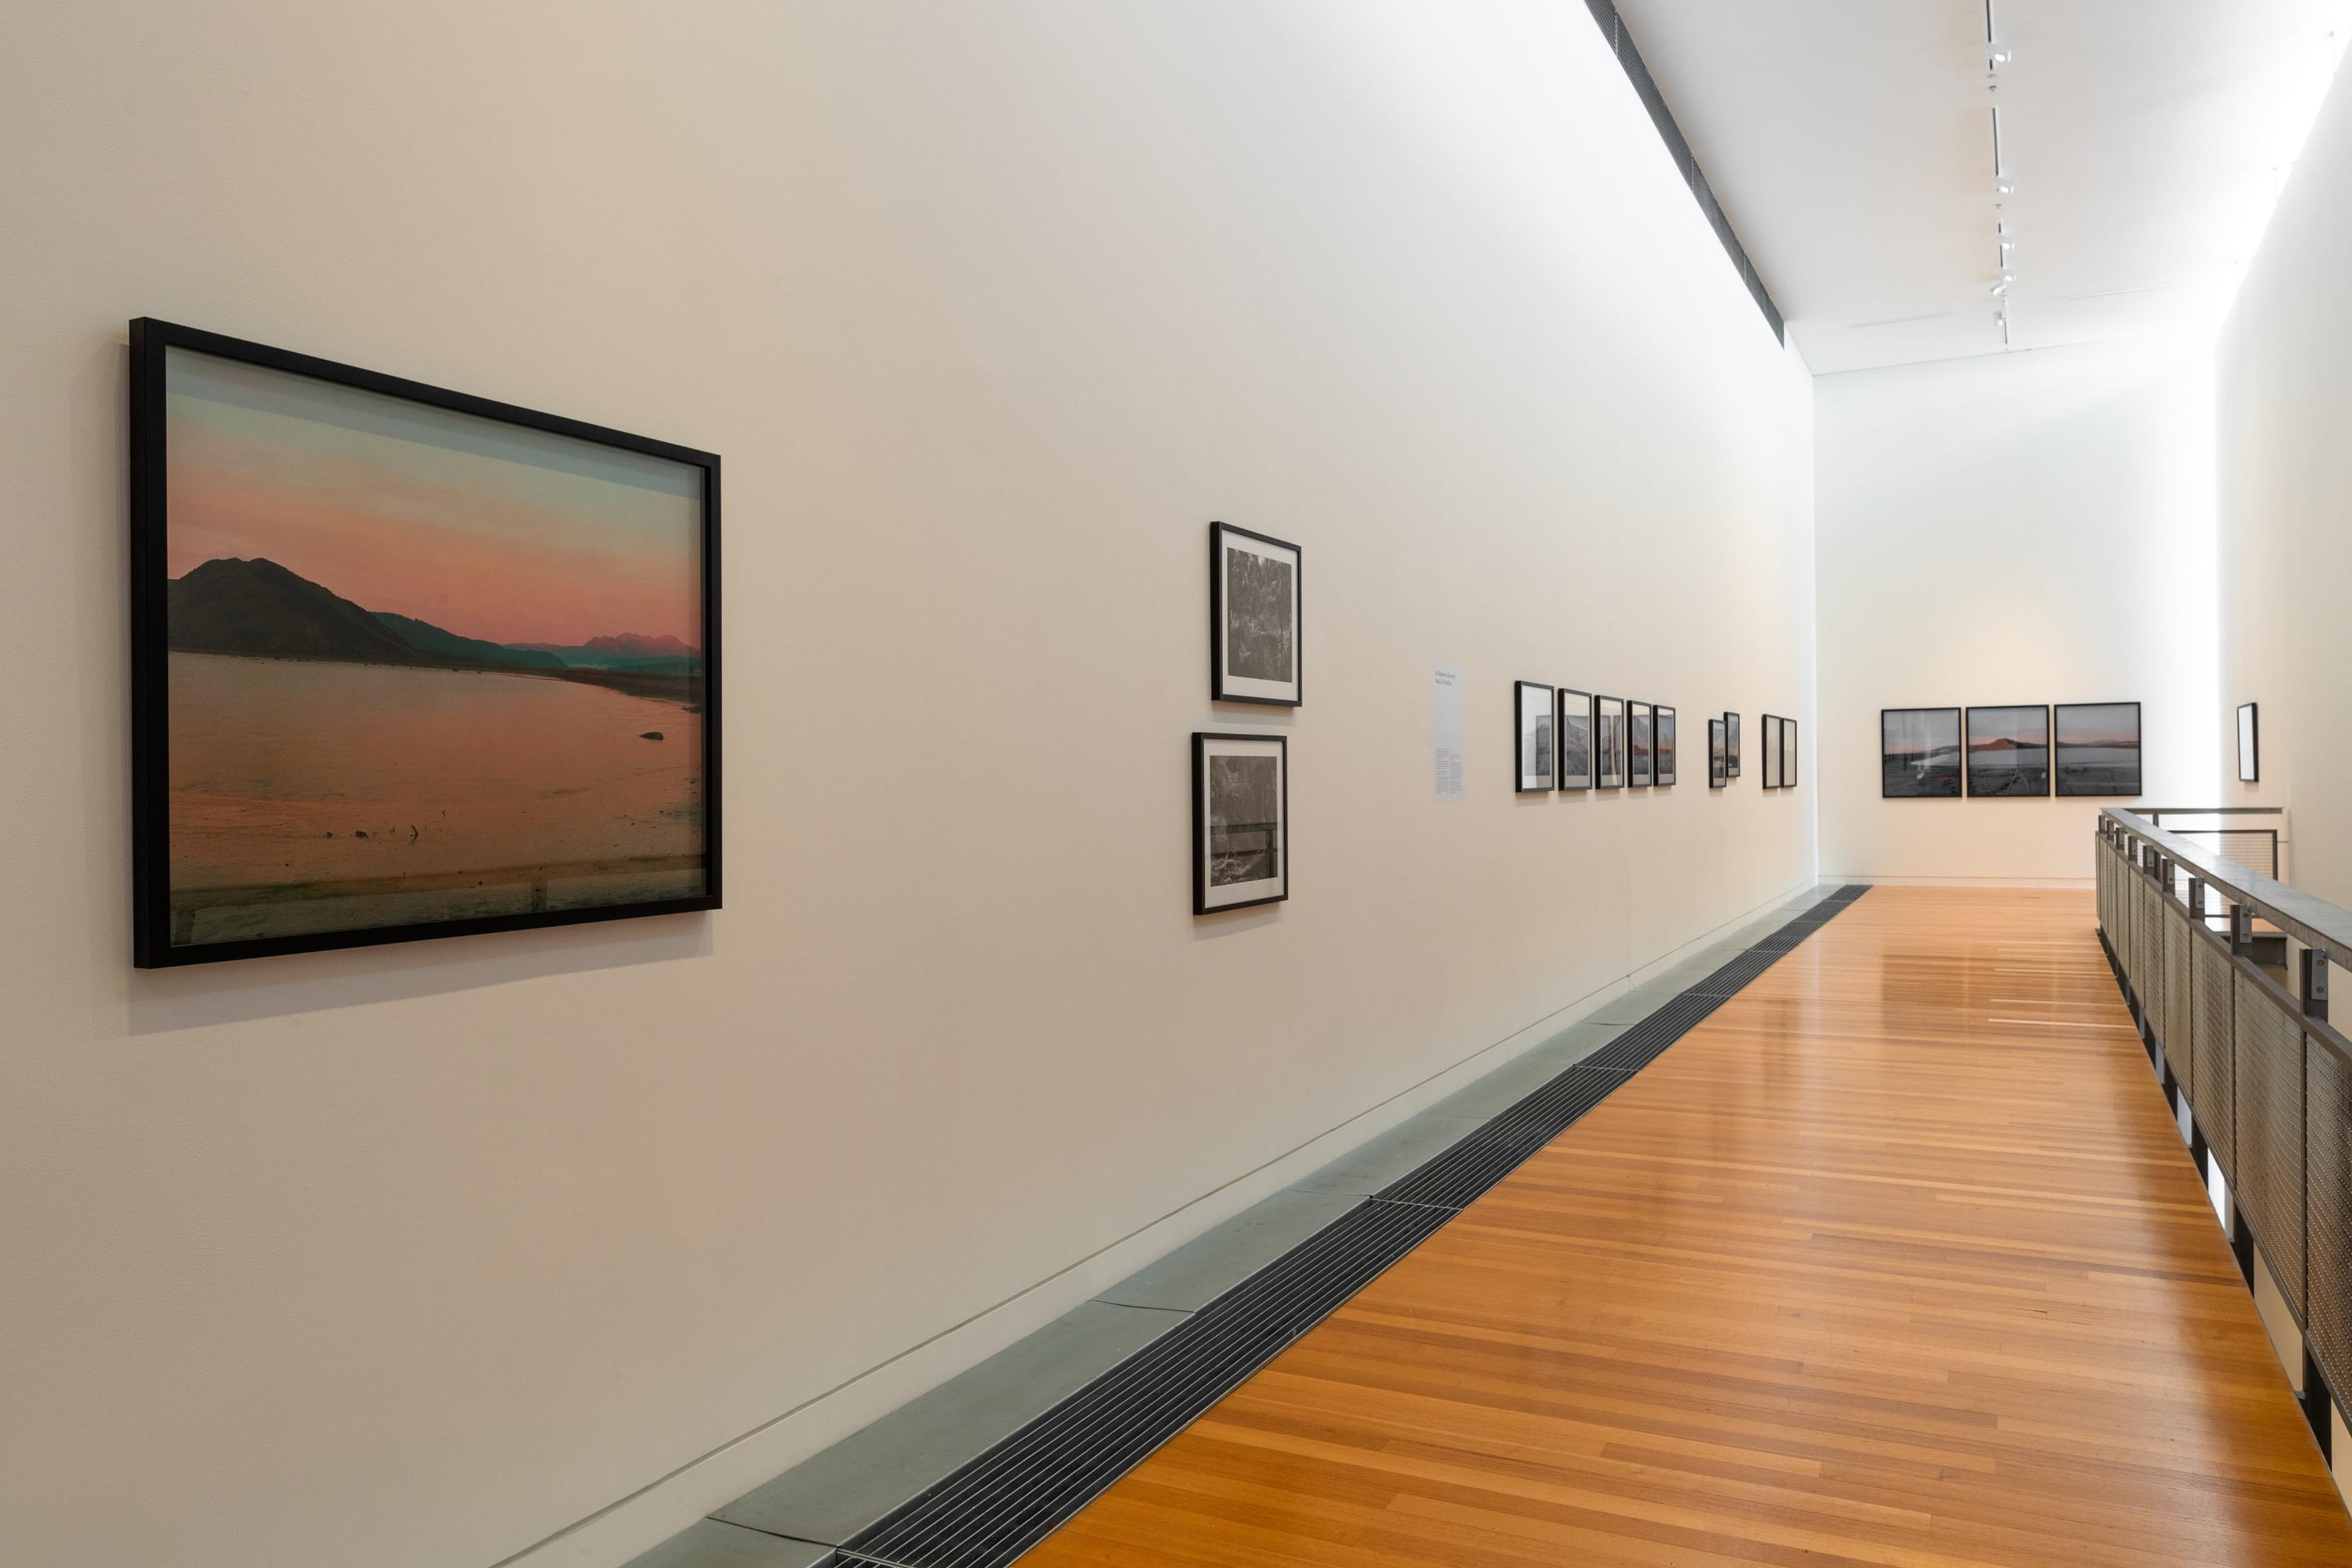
[(1850, 142)]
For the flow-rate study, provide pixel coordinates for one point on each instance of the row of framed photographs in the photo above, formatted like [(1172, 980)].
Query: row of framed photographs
[(1568, 740), (2012, 750)]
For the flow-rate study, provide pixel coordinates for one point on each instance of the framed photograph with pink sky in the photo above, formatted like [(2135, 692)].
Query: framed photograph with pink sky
[(407, 663)]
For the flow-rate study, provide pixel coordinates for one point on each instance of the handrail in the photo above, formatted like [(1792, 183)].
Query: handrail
[(2312, 921), (2153, 812)]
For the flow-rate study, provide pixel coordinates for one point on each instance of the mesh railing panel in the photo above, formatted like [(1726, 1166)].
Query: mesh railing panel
[(2270, 1133), (2212, 1025), (2179, 1050), (2328, 1143), (2147, 952)]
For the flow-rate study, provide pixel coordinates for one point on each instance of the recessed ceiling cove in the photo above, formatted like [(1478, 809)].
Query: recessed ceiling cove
[(1934, 179)]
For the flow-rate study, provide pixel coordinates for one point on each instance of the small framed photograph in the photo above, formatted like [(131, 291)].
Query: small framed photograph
[(1609, 743), (1638, 741), (1771, 751), (1253, 655), (2008, 751), (1532, 717), (1918, 753), (1241, 821), (2099, 748), (1788, 754), (1573, 736), (2250, 735), (1662, 745), (1719, 760), (1732, 745)]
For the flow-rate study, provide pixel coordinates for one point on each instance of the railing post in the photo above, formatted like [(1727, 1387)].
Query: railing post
[(2241, 932), (2315, 983)]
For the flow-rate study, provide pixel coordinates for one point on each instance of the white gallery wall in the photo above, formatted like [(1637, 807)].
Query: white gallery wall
[(2015, 528), (2285, 407), (535, 1247)]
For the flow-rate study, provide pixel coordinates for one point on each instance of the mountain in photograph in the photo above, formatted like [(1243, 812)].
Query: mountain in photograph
[(629, 651), (260, 609)]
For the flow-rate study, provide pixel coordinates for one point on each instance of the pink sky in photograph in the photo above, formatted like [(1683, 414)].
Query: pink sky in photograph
[(484, 532)]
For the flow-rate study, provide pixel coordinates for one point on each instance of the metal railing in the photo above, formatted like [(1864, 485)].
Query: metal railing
[(2226, 974), (2255, 847)]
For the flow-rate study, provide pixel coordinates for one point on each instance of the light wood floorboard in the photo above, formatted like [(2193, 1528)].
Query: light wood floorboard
[(1897, 1261)]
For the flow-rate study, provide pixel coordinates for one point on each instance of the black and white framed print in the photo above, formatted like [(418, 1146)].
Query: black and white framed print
[(1253, 654), (2099, 748), (1531, 736), (2008, 751), (1241, 821), (1718, 761), (1732, 745), (1771, 742), (1662, 744), (1788, 754), (1637, 744), (2249, 754), (405, 662), (1573, 736), (1918, 753), (1609, 743)]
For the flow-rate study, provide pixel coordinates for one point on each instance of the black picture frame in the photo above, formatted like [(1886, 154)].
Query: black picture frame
[(1920, 753), (2080, 765), (1730, 745), (1639, 740), (1534, 753), (2008, 751), (1572, 737), (153, 342), (1225, 683), (1769, 728), (1719, 759), (1208, 745), (1662, 745), (2250, 743), (1609, 743)]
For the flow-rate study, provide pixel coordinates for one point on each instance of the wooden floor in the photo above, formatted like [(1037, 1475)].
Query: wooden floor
[(1894, 1260)]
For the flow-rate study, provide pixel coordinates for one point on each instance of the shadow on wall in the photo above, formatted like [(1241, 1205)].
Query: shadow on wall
[(161, 1000)]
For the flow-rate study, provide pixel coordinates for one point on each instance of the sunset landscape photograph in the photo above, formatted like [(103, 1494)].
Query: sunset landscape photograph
[(424, 664)]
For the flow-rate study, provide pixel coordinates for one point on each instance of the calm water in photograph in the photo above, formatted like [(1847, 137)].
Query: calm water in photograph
[(311, 795)]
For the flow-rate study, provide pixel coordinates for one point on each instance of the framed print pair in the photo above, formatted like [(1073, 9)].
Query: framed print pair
[(1780, 752), (1241, 821), (1718, 754), (406, 662)]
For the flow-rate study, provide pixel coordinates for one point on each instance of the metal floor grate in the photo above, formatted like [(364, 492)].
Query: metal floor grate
[(1002, 1503)]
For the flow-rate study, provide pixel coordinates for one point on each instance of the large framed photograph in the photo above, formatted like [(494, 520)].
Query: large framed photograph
[(1719, 760), (1788, 754), (1532, 718), (2008, 751), (1662, 744), (1253, 653), (1609, 741), (407, 663), (1638, 741), (1918, 753), (1241, 821), (2099, 748), (2250, 751), (1573, 736), (1771, 743), (1732, 745)]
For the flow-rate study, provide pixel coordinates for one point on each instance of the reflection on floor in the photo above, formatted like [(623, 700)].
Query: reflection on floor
[(1897, 1261)]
